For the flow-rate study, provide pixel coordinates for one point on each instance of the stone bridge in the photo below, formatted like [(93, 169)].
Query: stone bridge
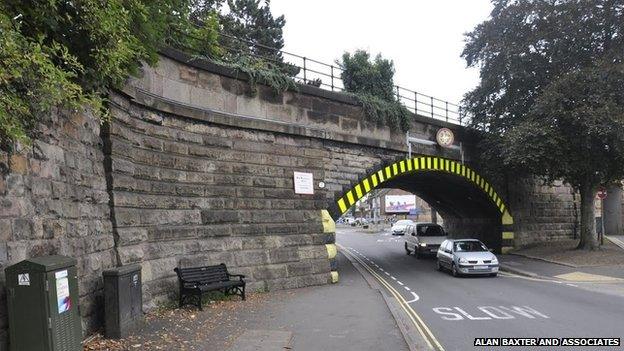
[(201, 170), (194, 168)]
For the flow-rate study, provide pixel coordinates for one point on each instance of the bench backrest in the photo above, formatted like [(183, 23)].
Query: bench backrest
[(205, 274)]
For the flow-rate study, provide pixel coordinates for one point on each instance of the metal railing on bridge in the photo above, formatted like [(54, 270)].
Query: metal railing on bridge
[(328, 76)]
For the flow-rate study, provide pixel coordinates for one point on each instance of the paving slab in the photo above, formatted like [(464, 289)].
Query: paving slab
[(262, 340)]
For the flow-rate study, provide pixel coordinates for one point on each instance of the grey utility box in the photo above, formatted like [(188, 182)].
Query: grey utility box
[(123, 301), (42, 299)]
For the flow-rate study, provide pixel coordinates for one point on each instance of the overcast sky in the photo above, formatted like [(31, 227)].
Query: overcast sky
[(423, 38)]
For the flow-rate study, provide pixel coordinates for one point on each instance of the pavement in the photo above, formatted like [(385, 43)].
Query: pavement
[(538, 268), (349, 315), (449, 313)]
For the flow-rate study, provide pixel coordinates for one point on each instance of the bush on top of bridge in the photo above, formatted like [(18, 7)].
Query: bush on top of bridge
[(372, 84)]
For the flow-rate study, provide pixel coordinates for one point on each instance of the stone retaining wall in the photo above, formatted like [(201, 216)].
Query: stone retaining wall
[(542, 213), (189, 193), (53, 200)]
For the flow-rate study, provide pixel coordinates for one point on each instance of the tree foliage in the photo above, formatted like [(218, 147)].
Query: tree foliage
[(248, 26), (551, 93), (62, 52), (372, 83), (361, 75)]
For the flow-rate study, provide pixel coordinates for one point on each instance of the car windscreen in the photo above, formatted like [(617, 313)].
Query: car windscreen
[(403, 222), (430, 230), (469, 246)]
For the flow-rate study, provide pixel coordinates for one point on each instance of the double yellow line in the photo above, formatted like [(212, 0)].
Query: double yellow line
[(413, 316)]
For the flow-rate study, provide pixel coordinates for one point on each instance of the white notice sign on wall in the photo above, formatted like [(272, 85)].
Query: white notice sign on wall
[(304, 183)]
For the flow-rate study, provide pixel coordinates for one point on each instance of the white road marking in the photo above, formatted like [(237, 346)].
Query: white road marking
[(491, 313), (416, 297), (576, 286)]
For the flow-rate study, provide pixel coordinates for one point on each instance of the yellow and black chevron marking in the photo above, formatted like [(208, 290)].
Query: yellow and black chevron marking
[(329, 227), (430, 163)]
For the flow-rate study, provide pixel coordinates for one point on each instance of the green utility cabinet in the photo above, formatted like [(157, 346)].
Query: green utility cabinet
[(42, 297), (123, 303)]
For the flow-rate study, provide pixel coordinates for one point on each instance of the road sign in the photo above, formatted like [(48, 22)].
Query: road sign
[(445, 137), (602, 193)]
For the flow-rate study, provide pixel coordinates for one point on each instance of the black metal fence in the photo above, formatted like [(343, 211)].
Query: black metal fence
[(328, 76)]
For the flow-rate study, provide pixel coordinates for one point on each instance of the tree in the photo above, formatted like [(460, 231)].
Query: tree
[(248, 27), (550, 97), (372, 83), (365, 76), (68, 53)]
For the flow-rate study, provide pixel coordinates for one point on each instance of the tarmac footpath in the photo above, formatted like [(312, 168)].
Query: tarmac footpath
[(348, 315)]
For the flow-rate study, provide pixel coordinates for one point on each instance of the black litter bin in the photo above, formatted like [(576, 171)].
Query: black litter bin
[(122, 300)]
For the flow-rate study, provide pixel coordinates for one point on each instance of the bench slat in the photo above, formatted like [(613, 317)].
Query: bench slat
[(199, 275)]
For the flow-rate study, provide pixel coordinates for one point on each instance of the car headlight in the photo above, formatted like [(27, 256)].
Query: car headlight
[(463, 260), (494, 260), (423, 245)]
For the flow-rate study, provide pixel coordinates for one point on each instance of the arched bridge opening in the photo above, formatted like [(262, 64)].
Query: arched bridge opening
[(469, 203)]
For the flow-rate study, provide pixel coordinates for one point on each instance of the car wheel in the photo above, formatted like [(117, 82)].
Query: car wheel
[(454, 271), (407, 251), (438, 265)]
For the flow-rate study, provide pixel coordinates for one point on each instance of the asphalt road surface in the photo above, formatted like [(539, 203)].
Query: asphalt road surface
[(455, 311)]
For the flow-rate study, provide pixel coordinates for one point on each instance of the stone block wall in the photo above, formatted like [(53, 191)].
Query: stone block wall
[(541, 212), (53, 200), (190, 193)]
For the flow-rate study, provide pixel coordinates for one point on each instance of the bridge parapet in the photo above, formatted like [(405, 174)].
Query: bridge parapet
[(183, 82)]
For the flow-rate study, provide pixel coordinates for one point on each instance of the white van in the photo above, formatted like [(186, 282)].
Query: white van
[(424, 239)]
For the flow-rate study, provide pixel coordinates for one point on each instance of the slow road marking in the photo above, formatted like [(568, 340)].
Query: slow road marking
[(485, 313)]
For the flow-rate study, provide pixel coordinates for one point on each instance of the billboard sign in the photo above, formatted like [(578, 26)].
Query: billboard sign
[(400, 203)]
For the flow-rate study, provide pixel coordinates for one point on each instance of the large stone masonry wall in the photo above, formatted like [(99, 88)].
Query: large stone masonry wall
[(190, 193), (542, 213), (53, 200)]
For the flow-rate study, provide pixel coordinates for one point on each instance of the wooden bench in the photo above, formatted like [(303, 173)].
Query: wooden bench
[(195, 281)]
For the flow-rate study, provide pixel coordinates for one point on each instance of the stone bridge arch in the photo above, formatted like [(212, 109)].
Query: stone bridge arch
[(469, 203)]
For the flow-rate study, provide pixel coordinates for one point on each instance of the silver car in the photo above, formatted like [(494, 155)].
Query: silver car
[(466, 256), (399, 227)]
